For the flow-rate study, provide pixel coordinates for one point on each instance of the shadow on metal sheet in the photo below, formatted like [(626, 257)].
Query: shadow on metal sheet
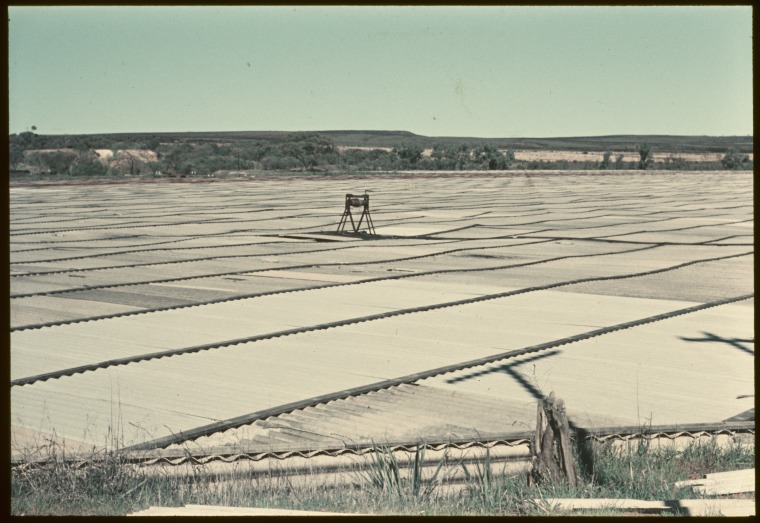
[(509, 368), (733, 342)]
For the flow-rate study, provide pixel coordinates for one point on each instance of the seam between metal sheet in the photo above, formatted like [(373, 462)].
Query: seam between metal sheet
[(275, 411), (64, 271), (694, 431), (183, 456), (299, 289), (423, 235), (340, 323), (368, 280)]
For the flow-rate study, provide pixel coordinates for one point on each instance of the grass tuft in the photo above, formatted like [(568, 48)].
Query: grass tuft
[(384, 483)]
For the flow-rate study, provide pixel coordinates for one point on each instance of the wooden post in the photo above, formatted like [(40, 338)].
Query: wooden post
[(551, 452)]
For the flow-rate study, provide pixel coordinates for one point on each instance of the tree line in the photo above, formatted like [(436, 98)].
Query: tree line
[(306, 152)]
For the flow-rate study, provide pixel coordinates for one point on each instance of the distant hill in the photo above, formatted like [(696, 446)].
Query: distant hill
[(661, 143), (206, 153)]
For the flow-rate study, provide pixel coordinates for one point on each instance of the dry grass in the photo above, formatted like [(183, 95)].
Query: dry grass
[(381, 484)]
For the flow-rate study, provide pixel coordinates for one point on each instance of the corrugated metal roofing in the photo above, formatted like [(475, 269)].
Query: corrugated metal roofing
[(691, 368), (173, 329), (487, 222), (230, 381)]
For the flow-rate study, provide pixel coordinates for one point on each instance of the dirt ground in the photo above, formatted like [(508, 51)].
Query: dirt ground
[(580, 156)]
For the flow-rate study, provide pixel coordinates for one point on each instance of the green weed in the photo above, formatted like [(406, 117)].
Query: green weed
[(386, 474), (383, 484)]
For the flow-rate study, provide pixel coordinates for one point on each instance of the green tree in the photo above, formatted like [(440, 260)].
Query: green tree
[(15, 155), (28, 140), (175, 157), (79, 143), (278, 163), (310, 149), (57, 162), (443, 157), (255, 151), (734, 160), (645, 155), (409, 152), (462, 156), (675, 163), (381, 159), (155, 167), (152, 143), (86, 166), (491, 158), (605, 160), (131, 159)]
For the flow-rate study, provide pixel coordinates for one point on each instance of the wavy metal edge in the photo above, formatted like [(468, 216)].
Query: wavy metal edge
[(177, 457)]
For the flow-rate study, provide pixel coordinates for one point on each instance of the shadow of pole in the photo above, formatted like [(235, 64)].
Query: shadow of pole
[(734, 342)]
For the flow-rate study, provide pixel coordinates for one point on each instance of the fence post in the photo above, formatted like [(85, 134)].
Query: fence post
[(551, 452)]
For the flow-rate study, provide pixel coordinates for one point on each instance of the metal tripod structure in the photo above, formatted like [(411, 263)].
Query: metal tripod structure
[(356, 201)]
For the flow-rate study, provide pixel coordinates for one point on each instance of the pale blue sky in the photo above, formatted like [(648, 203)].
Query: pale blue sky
[(437, 71)]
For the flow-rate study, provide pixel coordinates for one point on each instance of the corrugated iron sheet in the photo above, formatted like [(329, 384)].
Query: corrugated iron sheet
[(686, 369)]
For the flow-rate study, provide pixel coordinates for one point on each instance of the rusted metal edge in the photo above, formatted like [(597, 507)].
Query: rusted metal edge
[(254, 271), (238, 421), (247, 271), (340, 323), (179, 456), (671, 431)]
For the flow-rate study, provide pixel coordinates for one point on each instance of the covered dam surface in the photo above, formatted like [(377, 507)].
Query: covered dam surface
[(231, 315)]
